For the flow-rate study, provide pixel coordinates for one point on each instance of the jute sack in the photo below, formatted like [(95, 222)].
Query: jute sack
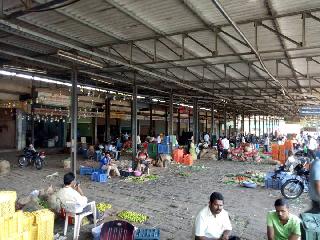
[(4, 167)]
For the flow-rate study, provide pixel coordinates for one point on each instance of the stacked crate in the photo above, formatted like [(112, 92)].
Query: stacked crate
[(282, 154), (275, 151), (17, 225)]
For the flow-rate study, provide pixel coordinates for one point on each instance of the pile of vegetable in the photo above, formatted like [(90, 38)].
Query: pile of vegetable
[(184, 174), (254, 177), (102, 207), (43, 203), (141, 179), (132, 216)]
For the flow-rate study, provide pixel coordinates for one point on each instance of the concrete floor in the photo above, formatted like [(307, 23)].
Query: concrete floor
[(171, 202)]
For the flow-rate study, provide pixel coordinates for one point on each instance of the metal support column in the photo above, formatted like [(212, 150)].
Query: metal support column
[(94, 123), (74, 121), (189, 120), (150, 121), (225, 121), (242, 123), (255, 125), (235, 130), (249, 118), (166, 121), (259, 126), (206, 122), (212, 120), (134, 120), (263, 133), (195, 121), (107, 119), (33, 96), (178, 124), (171, 114)]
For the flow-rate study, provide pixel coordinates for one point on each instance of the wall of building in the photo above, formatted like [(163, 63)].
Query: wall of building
[(7, 129)]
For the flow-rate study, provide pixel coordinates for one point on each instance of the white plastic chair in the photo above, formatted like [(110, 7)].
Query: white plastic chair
[(70, 212)]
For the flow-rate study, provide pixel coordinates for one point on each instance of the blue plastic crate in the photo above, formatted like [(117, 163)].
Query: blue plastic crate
[(166, 140), (94, 176), (147, 234), (99, 177), (274, 183), (102, 177), (163, 149), (99, 170), (86, 170)]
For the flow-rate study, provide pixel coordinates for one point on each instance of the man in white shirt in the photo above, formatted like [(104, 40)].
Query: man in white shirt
[(312, 147), (71, 196), (226, 145), (213, 222), (206, 138)]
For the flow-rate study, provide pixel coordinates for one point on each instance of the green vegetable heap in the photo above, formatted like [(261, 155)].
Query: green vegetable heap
[(102, 207), (132, 216)]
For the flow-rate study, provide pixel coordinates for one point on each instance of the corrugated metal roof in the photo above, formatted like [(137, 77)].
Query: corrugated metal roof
[(102, 23), (287, 6), (167, 15), (57, 23), (105, 17), (238, 10), (27, 44)]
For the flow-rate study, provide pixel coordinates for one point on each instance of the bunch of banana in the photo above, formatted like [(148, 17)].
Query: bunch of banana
[(132, 216), (102, 207)]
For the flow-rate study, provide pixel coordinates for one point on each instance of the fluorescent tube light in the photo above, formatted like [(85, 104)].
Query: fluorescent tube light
[(79, 59), (25, 69)]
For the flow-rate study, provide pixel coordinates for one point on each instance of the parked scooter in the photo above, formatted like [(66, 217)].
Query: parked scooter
[(294, 187), (31, 157)]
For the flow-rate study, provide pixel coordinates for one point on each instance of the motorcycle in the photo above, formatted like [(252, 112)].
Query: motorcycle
[(30, 157), (294, 187)]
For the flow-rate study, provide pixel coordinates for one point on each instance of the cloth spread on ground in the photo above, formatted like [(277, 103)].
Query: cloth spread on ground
[(283, 232), (208, 225)]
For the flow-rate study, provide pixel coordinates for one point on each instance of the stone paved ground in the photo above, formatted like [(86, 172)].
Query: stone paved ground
[(171, 202)]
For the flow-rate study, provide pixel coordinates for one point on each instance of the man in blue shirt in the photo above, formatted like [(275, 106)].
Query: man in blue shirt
[(314, 186), (106, 163)]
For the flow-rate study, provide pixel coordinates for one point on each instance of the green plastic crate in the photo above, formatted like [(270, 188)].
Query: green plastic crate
[(310, 226), (152, 150)]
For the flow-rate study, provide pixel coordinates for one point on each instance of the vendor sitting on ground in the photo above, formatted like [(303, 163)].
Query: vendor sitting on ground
[(282, 225), (106, 163), (143, 161), (71, 196)]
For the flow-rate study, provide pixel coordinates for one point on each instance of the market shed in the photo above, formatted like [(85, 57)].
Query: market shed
[(226, 58)]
